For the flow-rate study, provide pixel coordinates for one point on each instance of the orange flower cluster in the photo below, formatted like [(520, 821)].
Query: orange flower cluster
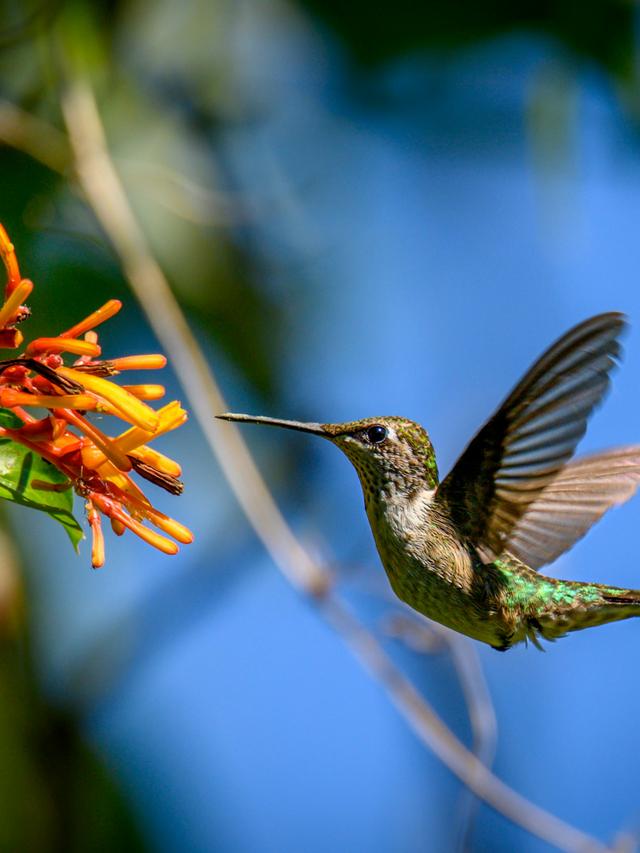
[(98, 467)]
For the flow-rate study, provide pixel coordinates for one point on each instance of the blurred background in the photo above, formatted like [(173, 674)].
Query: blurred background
[(363, 209)]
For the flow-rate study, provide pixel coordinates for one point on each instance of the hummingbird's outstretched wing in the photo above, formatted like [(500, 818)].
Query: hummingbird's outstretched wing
[(565, 509), (526, 443)]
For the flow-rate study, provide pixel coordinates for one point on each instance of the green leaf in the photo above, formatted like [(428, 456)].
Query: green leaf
[(19, 467)]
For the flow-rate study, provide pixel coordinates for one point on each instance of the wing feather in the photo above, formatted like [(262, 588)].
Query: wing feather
[(524, 446), (578, 497)]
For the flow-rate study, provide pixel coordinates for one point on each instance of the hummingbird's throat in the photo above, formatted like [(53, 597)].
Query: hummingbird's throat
[(387, 473)]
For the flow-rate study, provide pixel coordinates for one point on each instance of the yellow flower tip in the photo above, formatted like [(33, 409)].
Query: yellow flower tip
[(168, 525), (129, 407), (57, 345), (161, 543), (8, 254), (97, 546), (19, 295), (163, 464), (170, 417), (97, 555), (94, 319), (146, 392), (117, 526), (24, 288), (178, 531), (139, 362), (150, 536)]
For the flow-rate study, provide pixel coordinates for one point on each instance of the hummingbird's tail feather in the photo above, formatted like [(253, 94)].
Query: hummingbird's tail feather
[(624, 597), (576, 606)]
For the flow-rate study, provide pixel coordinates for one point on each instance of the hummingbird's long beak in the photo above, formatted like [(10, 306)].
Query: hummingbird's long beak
[(316, 429)]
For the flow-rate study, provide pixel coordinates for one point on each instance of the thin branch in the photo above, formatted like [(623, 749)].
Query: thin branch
[(36, 137), (483, 725), (106, 196), (427, 637), (184, 197)]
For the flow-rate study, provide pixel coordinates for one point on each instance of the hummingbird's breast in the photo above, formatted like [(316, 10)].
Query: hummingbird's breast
[(412, 530), (430, 567)]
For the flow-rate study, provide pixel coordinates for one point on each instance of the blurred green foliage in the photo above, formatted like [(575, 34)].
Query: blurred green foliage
[(600, 30), (55, 794), (180, 184)]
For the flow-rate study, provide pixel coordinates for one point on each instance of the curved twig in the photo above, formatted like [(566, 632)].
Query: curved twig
[(425, 637)]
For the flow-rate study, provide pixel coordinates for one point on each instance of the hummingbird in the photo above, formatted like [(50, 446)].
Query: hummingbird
[(465, 551)]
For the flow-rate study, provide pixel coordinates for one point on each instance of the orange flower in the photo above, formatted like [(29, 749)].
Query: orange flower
[(97, 466)]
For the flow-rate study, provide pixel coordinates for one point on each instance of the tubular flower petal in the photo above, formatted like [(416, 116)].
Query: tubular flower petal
[(130, 408), (115, 477), (146, 392), (117, 526), (158, 461), (113, 453), (38, 430), (97, 550), (139, 362), (158, 519), (12, 305), (8, 254), (170, 417), (10, 397), (98, 467), (59, 345), (106, 312), (169, 525), (114, 510)]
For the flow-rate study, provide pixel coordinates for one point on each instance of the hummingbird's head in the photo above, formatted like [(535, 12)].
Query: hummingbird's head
[(389, 453)]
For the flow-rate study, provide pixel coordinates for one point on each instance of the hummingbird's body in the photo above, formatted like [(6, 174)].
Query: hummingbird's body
[(500, 603), (464, 551)]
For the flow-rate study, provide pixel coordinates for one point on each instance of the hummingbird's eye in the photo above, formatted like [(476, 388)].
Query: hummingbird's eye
[(376, 434)]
